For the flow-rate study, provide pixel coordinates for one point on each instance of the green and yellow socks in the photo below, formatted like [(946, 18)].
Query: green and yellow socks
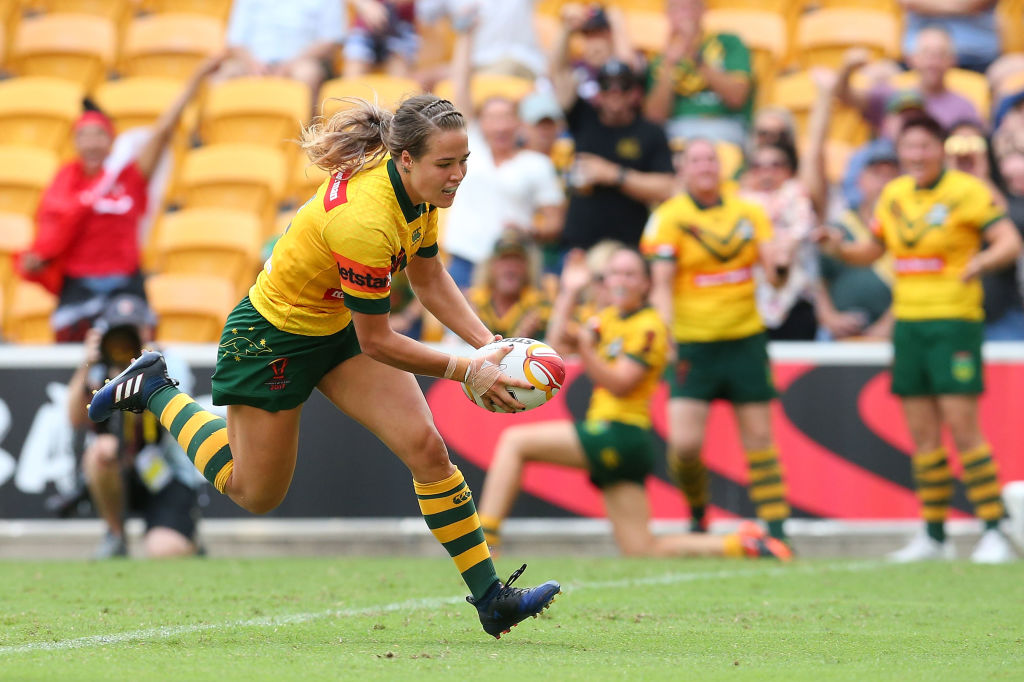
[(447, 507), (934, 480), (981, 477), (767, 490), (202, 435), (691, 477)]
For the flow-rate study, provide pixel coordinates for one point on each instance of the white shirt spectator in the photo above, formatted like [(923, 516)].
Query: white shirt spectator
[(274, 31), (491, 198)]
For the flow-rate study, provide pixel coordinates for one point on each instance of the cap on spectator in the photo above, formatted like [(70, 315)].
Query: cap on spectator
[(616, 72), (1006, 104), (125, 310), (904, 100), (538, 106), (512, 243), (596, 20), (879, 151)]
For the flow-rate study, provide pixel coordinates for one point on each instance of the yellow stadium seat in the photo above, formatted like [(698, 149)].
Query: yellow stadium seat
[(239, 176), (823, 36), (1010, 22), (777, 6), (796, 92), (387, 91), (116, 11), (485, 86), (265, 111), (190, 308), (170, 45), (212, 8), (971, 85), (24, 174), (140, 101), (764, 34), (730, 159), (16, 232), (648, 31), (305, 179), (37, 111), (211, 241), (74, 47), (27, 318)]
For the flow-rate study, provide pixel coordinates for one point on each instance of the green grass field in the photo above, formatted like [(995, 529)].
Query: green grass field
[(402, 619)]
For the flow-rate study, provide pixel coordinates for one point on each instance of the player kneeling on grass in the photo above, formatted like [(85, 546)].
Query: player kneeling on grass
[(317, 317), (624, 352)]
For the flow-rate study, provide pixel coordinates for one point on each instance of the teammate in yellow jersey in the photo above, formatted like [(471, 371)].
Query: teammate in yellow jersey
[(706, 244), (934, 222), (317, 317), (623, 351)]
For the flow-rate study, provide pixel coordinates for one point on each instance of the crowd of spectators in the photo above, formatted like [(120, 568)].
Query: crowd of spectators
[(593, 148)]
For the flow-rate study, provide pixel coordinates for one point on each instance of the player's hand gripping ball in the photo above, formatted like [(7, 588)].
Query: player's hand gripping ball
[(529, 360)]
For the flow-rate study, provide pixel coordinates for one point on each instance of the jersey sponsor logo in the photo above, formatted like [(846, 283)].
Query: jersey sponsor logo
[(277, 381), (121, 205), (628, 148), (334, 295), (716, 279), (358, 277), (920, 265), (726, 247), (417, 233), (400, 261), (337, 192)]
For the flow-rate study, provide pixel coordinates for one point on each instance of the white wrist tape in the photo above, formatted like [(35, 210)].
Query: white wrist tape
[(453, 360)]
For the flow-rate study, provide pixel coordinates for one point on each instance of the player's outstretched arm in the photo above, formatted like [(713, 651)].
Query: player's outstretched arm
[(379, 341), (439, 294)]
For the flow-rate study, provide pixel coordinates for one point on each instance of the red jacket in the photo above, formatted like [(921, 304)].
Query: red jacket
[(89, 236)]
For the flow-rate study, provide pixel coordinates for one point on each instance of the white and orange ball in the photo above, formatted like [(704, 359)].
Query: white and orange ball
[(532, 361)]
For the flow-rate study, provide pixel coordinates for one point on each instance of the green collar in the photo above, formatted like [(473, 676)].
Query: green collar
[(702, 206), (935, 183), (410, 211)]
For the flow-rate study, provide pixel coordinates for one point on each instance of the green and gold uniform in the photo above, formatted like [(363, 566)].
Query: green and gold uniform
[(532, 303), (616, 435), (932, 233), (722, 351), (338, 255)]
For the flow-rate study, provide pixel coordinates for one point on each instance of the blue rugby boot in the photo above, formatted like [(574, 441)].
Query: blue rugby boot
[(504, 606), (131, 389)]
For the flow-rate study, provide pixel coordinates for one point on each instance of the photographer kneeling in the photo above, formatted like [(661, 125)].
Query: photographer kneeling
[(130, 463)]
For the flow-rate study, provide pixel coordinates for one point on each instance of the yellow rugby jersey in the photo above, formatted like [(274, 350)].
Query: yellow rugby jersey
[(340, 251), (532, 301), (642, 336), (715, 249), (932, 233)]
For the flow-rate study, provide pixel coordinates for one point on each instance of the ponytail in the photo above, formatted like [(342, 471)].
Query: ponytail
[(350, 140)]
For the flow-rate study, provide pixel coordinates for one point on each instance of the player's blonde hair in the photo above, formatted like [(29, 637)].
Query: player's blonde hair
[(360, 136)]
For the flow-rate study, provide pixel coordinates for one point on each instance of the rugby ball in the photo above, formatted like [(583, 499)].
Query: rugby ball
[(531, 361)]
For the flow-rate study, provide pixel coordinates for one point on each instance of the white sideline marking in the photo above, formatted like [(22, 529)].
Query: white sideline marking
[(167, 632)]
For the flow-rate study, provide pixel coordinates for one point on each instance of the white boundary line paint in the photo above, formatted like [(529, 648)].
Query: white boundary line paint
[(168, 632)]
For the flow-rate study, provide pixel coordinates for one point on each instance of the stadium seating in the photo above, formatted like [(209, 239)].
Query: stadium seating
[(219, 9), (117, 11), (211, 241), (76, 47), (484, 86), (190, 308), (265, 111), (38, 111), (796, 92), (823, 36), (27, 318), (170, 45), (763, 32), (239, 176), (1010, 22), (388, 91), (24, 173), (140, 101), (304, 180), (16, 232)]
